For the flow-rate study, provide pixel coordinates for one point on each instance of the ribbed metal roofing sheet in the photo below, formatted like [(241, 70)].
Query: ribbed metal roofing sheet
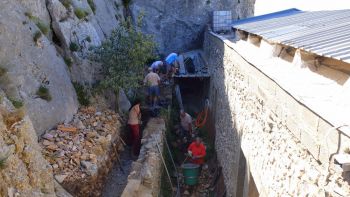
[(268, 16), (325, 33)]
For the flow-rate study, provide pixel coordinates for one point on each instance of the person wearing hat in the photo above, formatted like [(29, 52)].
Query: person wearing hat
[(134, 122), (152, 80), (186, 124)]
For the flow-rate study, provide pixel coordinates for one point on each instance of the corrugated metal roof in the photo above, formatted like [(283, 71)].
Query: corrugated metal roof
[(325, 33), (267, 16)]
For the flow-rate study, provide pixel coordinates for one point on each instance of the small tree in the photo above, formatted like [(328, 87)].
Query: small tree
[(123, 56)]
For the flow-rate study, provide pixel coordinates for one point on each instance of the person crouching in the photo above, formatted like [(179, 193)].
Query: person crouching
[(197, 151)]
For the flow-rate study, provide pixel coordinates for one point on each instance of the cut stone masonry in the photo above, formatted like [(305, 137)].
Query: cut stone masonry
[(145, 176), (277, 133)]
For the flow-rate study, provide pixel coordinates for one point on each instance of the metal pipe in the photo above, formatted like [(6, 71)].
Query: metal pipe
[(178, 96)]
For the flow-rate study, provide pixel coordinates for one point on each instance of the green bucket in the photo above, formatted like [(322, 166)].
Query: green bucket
[(191, 173)]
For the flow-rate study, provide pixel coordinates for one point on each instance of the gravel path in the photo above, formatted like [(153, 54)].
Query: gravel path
[(118, 177)]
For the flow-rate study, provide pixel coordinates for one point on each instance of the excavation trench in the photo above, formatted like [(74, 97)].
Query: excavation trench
[(127, 177), (194, 94), (98, 163)]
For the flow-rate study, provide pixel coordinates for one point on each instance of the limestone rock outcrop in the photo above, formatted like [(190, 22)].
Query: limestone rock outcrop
[(23, 170), (30, 65), (80, 26), (179, 25)]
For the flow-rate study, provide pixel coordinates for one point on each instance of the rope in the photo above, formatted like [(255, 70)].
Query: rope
[(177, 174), (166, 169)]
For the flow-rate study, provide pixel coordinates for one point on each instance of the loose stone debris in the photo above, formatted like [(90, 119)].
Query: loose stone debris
[(81, 153)]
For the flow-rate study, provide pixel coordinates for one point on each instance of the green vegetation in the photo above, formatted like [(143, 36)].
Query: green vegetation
[(68, 61), (88, 38), (44, 93), (44, 28), (16, 103), (3, 71), (3, 160), (92, 5), (116, 5), (80, 13), (29, 15), (66, 3), (123, 56), (165, 185), (82, 94), (74, 46), (126, 3), (37, 36), (10, 118), (171, 118)]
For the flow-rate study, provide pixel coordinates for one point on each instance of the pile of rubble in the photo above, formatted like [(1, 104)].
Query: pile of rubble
[(81, 153)]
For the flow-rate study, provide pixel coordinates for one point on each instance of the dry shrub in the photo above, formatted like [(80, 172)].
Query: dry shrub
[(10, 118)]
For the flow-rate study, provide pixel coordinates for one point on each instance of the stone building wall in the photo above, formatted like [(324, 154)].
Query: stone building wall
[(276, 134)]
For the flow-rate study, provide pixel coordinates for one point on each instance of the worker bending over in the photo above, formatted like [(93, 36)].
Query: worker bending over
[(171, 62), (186, 124), (156, 66), (152, 80), (197, 151)]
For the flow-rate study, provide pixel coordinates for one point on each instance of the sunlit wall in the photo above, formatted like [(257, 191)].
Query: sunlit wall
[(268, 6)]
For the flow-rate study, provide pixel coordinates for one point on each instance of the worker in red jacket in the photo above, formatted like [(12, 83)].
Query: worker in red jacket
[(197, 151)]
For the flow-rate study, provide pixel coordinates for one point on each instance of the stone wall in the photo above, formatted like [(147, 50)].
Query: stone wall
[(144, 178), (82, 159), (255, 114)]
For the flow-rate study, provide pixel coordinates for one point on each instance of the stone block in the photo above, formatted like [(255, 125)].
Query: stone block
[(268, 84), (281, 112), (131, 188), (293, 126), (311, 143), (309, 119), (328, 138), (253, 85)]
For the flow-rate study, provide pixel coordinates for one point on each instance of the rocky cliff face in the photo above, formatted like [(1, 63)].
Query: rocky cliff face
[(23, 170), (46, 43), (179, 25), (36, 39), (31, 64)]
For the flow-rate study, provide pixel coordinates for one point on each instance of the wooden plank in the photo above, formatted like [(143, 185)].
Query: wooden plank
[(66, 128), (182, 69)]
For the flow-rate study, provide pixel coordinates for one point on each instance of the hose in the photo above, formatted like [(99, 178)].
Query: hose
[(202, 116)]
